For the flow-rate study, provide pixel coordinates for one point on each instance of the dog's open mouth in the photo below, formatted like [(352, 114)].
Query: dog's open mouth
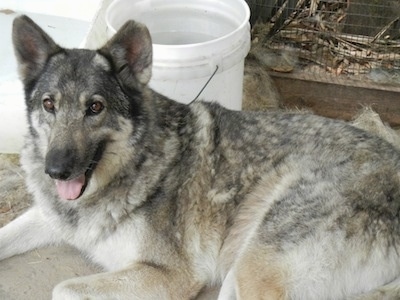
[(71, 189)]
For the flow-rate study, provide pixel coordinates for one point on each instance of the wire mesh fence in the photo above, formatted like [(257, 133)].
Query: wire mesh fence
[(357, 38)]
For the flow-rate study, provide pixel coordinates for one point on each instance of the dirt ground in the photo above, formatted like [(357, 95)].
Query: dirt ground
[(34, 274)]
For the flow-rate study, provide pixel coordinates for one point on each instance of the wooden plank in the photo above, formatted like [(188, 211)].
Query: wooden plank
[(338, 98)]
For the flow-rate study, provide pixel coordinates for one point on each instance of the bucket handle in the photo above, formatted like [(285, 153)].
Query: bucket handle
[(205, 85)]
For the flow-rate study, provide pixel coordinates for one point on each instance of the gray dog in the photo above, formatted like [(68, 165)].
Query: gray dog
[(171, 198)]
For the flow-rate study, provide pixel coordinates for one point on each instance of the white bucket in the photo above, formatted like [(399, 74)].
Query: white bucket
[(194, 42)]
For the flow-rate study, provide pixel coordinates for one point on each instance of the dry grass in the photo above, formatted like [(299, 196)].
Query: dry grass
[(13, 195)]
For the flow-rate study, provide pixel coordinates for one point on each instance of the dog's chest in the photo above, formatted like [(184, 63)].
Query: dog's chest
[(113, 246), (116, 252)]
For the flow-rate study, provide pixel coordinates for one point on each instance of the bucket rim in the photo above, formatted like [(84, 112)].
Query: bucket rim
[(162, 47)]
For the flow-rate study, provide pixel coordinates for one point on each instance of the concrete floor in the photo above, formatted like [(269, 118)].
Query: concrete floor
[(33, 275)]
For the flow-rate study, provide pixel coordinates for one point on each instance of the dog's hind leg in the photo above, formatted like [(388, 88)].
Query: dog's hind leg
[(390, 291), (256, 275), (27, 232), (260, 279), (228, 289)]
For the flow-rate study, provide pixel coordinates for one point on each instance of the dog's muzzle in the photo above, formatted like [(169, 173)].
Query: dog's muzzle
[(60, 165)]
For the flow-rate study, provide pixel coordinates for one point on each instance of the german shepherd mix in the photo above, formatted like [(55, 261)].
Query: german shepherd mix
[(171, 198)]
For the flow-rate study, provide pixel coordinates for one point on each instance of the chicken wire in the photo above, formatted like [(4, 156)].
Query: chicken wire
[(357, 38)]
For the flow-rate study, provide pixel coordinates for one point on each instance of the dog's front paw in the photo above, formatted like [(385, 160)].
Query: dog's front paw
[(72, 289), (93, 287)]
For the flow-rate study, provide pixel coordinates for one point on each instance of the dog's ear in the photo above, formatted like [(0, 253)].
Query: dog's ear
[(130, 50), (32, 47)]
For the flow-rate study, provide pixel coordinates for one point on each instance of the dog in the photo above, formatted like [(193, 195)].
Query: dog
[(171, 199)]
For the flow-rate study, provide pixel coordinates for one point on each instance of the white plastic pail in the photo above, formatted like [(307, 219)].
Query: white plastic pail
[(194, 42)]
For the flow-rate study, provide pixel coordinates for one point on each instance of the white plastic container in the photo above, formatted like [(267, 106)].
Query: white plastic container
[(192, 40)]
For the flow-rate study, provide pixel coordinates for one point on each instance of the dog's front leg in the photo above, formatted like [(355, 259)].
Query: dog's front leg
[(27, 232), (140, 281)]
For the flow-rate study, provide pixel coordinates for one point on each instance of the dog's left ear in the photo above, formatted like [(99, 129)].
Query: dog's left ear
[(130, 50)]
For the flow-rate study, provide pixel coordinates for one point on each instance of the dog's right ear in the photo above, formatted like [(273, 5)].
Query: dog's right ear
[(32, 47), (131, 53)]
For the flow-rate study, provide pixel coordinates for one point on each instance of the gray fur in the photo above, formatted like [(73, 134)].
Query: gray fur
[(291, 206)]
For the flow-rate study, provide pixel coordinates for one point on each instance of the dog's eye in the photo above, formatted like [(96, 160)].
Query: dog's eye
[(95, 108), (48, 104)]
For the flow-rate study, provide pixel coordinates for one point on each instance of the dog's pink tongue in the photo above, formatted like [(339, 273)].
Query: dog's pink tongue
[(70, 189)]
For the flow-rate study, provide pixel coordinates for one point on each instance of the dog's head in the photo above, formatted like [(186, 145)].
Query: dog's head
[(83, 106)]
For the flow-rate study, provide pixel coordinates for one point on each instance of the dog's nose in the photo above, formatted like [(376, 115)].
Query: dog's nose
[(58, 172), (60, 163)]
